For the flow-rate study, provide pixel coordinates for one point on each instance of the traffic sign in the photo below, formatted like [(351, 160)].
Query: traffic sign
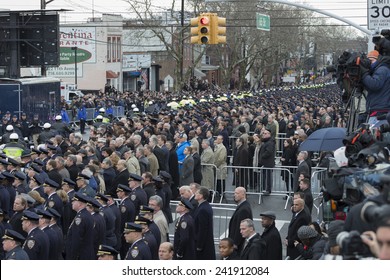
[(263, 22), (378, 14)]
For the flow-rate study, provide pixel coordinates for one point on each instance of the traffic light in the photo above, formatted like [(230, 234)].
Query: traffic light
[(194, 30), (218, 30)]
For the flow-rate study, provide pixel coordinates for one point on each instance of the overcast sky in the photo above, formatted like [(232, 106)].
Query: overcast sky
[(354, 10)]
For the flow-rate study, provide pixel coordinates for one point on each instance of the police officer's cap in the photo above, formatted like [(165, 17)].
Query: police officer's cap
[(101, 197), (8, 175), (39, 162), (106, 250), (68, 181), (158, 179), (35, 150), (13, 235), (2, 155), (51, 183), (35, 167), (83, 176), (26, 153), (44, 150), (143, 209), (49, 142), (186, 203), (13, 161), (44, 214), (53, 212), (93, 202), (3, 161), (20, 175), (2, 176), (140, 220), (165, 175), (135, 177), (52, 147), (39, 179), (269, 214), (123, 188), (29, 215), (132, 227), (80, 197)]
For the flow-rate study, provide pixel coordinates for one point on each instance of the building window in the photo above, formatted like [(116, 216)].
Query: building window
[(109, 49), (119, 49)]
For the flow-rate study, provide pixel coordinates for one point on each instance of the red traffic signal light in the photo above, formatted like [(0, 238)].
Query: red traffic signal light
[(204, 20)]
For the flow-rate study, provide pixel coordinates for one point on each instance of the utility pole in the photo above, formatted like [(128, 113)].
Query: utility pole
[(182, 42), (75, 65)]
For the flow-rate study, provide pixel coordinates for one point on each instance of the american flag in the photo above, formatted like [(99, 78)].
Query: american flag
[(144, 75)]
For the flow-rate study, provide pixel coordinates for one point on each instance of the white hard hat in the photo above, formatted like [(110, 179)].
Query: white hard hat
[(133, 106), (9, 127), (14, 136), (135, 110), (102, 110), (150, 102), (47, 125), (58, 117), (99, 117)]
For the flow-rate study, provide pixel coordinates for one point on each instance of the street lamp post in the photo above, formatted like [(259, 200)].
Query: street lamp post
[(75, 65)]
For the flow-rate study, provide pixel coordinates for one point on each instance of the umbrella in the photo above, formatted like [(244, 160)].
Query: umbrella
[(324, 139)]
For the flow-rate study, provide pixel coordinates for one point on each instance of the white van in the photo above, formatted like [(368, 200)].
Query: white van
[(69, 91)]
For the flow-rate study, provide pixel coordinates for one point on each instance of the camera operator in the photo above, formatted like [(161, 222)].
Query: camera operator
[(376, 80), (379, 243)]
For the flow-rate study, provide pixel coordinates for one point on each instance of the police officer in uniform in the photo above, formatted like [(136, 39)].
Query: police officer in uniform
[(79, 242), (184, 239), (53, 199), (147, 212), (13, 149), (148, 236), (107, 252), (138, 250), (37, 242), (99, 227), (46, 134), (138, 195), (127, 210), (12, 242), (61, 127), (55, 248), (109, 217)]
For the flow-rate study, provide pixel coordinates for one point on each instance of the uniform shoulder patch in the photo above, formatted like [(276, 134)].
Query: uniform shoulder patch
[(134, 252), (30, 244), (51, 204), (77, 221), (101, 213), (123, 209), (183, 225), (133, 197)]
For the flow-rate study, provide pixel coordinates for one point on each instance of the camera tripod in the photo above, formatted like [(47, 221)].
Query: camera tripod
[(355, 107)]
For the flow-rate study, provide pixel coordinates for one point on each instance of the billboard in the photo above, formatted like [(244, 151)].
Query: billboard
[(77, 44)]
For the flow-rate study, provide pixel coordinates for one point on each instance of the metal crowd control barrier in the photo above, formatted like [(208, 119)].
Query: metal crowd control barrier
[(256, 179), (221, 217), (318, 175)]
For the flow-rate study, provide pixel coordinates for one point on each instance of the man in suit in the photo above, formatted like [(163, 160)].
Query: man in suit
[(122, 177), (187, 170), (267, 159), (254, 247), (303, 168), (243, 211), (271, 236), (204, 235), (240, 159), (300, 218), (197, 165)]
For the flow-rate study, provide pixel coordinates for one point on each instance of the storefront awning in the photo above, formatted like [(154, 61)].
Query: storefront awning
[(111, 74), (198, 73)]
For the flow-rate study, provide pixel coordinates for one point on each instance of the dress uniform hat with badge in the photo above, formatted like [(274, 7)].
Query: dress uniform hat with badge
[(132, 227), (68, 181), (44, 214), (140, 220), (94, 203), (106, 250), (186, 203), (20, 175), (135, 177), (102, 197), (2, 155), (44, 150), (54, 213), (3, 161), (83, 176), (123, 188), (30, 216), (14, 162), (51, 183), (35, 167), (8, 175), (80, 197), (165, 175), (143, 209), (38, 179), (39, 162), (13, 235)]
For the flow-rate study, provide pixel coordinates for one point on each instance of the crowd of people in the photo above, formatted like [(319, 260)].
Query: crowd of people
[(106, 195)]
